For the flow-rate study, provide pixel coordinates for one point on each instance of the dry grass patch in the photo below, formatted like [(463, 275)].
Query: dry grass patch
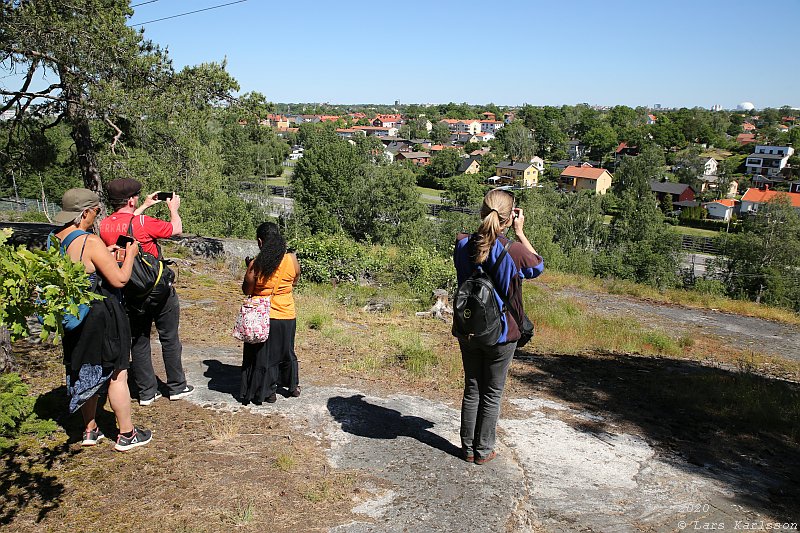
[(203, 471), (559, 280)]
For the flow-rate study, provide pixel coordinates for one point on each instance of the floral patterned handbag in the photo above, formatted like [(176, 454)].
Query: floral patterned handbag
[(252, 324)]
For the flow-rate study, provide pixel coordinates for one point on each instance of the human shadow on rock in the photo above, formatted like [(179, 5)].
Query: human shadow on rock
[(359, 417), (223, 378), (736, 427)]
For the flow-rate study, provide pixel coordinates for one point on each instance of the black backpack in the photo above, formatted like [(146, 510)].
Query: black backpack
[(151, 279), (476, 313)]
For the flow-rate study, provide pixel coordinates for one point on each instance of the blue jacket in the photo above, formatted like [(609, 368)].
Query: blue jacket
[(518, 264)]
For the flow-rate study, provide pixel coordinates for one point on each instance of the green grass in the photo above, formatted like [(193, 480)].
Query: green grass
[(696, 232), (426, 191), (281, 181), (318, 321), (567, 326), (284, 462)]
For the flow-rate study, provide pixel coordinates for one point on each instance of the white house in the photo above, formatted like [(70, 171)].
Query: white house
[(710, 167), (721, 209), (538, 162), (462, 126), (651, 119), (297, 153), (768, 160), (491, 126)]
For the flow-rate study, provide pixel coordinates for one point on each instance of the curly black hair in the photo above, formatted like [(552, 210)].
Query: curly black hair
[(273, 248)]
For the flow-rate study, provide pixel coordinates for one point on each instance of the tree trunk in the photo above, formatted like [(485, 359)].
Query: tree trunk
[(87, 158), (84, 146), (7, 363)]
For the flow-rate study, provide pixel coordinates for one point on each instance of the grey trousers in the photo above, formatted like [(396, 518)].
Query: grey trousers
[(485, 370)]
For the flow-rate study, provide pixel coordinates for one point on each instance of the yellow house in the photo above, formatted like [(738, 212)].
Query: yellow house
[(469, 165), (586, 179), (519, 174)]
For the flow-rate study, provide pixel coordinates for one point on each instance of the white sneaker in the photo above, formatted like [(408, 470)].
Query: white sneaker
[(182, 394), (151, 400)]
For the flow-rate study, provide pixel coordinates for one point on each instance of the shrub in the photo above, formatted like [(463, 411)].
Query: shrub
[(422, 270), (709, 286), (318, 321), (325, 258), (16, 412)]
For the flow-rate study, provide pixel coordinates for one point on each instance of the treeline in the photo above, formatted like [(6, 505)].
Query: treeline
[(118, 108)]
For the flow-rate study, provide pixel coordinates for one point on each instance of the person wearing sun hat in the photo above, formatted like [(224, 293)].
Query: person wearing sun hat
[(97, 352)]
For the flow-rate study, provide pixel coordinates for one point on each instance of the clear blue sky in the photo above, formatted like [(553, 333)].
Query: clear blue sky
[(541, 52)]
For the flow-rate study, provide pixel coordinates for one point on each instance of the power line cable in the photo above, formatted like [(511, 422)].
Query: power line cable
[(143, 3), (189, 13)]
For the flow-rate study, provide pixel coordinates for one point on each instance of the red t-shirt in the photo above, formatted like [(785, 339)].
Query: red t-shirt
[(145, 230)]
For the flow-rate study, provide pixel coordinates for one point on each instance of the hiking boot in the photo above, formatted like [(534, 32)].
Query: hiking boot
[(182, 394), (92, 437), (272, 398), (150, 400), (140, 437), (468, 456), (295, 393), (484, 460)]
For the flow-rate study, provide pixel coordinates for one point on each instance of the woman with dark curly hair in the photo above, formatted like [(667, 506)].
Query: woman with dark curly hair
[(272, 364)]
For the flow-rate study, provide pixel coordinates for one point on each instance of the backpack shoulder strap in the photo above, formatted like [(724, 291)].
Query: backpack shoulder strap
[(500, 258), (71, 237)]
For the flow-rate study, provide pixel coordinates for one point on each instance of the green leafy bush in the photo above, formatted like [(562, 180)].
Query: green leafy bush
[(16, 412), (419, 268), (325, 258), (40, 282)]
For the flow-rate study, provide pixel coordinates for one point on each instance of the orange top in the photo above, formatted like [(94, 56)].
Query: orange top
[(282, 303)]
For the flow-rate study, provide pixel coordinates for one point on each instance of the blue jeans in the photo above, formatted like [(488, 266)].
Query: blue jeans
[(485, 370)]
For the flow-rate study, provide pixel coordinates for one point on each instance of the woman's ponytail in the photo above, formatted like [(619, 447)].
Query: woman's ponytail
[(495, 212)]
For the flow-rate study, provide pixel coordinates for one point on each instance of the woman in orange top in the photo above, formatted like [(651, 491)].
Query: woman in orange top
[(272, 364)]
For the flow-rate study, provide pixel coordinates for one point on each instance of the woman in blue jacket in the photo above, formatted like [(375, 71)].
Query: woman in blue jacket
[(486, 366)]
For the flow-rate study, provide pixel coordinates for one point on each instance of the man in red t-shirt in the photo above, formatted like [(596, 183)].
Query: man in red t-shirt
[(123, 194)]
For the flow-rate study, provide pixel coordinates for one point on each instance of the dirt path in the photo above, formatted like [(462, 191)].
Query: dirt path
[(736, 330), (552, 473)]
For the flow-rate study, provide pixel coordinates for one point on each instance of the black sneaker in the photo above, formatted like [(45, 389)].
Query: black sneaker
[(182, 394), (92, 437), (140, 437)]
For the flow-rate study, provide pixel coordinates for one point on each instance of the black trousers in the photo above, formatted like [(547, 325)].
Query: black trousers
[(166, 317)]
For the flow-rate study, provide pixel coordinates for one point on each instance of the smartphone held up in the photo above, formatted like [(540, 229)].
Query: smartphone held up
[(122, 242), (161, 195)]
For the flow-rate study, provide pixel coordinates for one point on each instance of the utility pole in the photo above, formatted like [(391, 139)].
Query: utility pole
[(16, 191)]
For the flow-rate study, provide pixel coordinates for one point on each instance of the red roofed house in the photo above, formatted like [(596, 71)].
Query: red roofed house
[(377, 130), (651, 119), (721, 209), (576, 179), (753, 198), (623, 149), (746, 126), (388, 121), (276, 121), (488, 115), (746, 138)]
